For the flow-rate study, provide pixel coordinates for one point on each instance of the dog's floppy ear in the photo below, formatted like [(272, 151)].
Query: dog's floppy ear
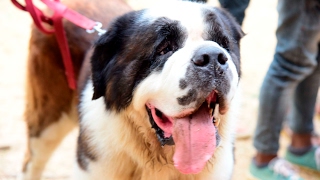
[(105, 53), (233, 31), (233, 25)]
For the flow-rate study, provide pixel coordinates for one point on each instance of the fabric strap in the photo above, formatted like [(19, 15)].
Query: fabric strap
[(60, 11)]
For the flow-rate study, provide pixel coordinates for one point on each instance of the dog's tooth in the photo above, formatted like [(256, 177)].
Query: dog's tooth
[(217, 121)]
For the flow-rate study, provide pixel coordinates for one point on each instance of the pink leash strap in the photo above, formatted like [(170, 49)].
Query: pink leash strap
[(60, 11)]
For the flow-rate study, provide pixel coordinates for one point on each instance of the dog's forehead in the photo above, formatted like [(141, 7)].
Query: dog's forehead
[(189, 15)]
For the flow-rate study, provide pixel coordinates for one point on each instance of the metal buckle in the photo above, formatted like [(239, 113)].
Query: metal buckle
[(97, 28)]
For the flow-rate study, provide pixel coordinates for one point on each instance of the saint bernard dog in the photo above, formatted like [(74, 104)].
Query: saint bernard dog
[(155, 98)]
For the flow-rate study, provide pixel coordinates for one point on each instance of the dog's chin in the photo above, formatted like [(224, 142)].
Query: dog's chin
[(194, 132)]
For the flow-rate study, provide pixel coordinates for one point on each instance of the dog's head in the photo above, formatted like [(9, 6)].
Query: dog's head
[(177, 63)]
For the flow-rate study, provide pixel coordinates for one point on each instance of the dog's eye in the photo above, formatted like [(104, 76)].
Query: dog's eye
[(164, 48), (224, 42), (226, 48), (225, 45)]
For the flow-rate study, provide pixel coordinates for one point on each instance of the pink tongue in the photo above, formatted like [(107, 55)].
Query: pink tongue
[(195, 141)]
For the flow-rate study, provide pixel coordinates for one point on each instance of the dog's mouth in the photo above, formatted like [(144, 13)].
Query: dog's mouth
[(194, 133)]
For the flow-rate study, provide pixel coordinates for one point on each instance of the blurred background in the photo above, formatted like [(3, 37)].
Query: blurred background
[(257, 49)]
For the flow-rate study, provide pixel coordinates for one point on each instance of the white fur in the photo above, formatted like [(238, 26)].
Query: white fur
[(186, 13), (161, 94), (104, 127), (118, 154), (120, 139), (165, 92)]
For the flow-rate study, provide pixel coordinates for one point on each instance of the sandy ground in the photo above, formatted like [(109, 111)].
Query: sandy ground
[(257, 52)]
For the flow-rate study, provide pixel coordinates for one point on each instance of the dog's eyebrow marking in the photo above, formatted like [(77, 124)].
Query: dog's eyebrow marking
[(183, 84), (187, 99)]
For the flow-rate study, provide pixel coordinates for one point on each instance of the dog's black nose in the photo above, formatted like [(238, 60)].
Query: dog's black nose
[(209, 55)]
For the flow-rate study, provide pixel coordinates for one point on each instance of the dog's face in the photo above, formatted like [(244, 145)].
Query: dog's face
[(176, 63)]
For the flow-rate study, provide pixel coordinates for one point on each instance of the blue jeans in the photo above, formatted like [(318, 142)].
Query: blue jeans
[(236, 7), (290, 87)]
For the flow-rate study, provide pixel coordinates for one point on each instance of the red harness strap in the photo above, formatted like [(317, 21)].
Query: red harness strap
[(60, 11)]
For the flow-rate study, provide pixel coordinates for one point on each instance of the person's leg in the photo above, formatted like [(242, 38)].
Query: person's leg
[(294, 60), (302, 111), (236, 7), (292, 71), (303, 105), (301, 150)]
